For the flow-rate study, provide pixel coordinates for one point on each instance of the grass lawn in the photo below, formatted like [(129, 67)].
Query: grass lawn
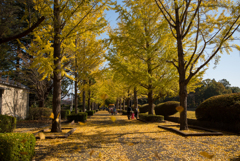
[(190, 115)]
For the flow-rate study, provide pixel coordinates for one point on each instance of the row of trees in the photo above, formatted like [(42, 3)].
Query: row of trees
[(156, 46)]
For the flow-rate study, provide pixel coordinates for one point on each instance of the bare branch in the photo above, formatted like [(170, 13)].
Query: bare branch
[(165, 15), (191, 20)]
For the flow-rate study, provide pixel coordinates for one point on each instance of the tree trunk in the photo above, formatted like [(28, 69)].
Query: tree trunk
[(123, 103), (117, 102), (150, 101), (41, 102), (56, 122), (120, 103), (89, 103), (83, 94), (76, 89), (135, 98), (182, 73)]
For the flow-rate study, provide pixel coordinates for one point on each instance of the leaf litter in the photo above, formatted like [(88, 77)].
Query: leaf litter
[(134, 140)]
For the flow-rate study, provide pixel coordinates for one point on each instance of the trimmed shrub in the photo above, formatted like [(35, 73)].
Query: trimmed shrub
[(90, 113), (222, 108), (124, 112), (119, 110), (167, 108), (39, 113), (65, 113), (96, 110), (151, 118), (81, 116), (145, 108), (17, 146), (7, 123)]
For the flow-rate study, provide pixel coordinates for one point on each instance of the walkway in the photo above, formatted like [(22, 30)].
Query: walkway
[(101, 139)]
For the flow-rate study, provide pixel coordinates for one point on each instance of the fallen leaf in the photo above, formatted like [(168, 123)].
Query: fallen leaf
[(206, 154), (80, 123), (52, 116), (100, 155), (24, 141), (113, 118), (156, 155), (24, 153), (42, 136), (130, 144), (179, 109), (91, 153)]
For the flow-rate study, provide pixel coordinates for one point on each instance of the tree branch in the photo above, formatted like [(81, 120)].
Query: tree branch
[(24, 33)]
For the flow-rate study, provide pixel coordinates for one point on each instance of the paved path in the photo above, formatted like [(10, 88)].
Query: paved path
[(102, 139)]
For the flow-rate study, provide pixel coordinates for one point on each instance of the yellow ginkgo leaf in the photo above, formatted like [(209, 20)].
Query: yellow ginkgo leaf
[(179, 109), (205, 154), (113, 118), (58, 116), (52, 116), (100, 155), (91, 153), (41, 135), (156, 155), (80, 123), (130, 144)]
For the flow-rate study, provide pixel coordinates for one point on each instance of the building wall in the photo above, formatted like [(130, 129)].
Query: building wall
[(14, 101)]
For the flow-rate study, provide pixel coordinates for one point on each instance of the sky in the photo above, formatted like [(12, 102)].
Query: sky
[(227, 68)]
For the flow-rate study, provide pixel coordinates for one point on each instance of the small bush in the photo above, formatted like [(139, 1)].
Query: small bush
[(90, 113), (124, 112), (167, 108), (81, 116), (7, 123), (119, 110), (151, 118), (145, 108), (39, 113), (222, 108), (96, 110), (65, 113), (17, 146)]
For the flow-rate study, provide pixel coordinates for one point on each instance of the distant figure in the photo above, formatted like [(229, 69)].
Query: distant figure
[(114, 110), (129, 112), (136, 112)]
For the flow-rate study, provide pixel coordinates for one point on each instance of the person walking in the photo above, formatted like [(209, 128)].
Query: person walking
[(136, 111), (129, 112)]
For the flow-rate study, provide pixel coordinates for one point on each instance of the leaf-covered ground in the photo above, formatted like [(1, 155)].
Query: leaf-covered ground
[(102, 139)]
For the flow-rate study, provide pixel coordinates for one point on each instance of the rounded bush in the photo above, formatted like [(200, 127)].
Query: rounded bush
[(145, 108), (222, 108), (167, 108)]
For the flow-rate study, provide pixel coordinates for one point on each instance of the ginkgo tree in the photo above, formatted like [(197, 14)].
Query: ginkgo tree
[(54, 44), (210, 26), (139, 52)]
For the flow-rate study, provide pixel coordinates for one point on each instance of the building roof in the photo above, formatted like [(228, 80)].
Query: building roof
[(12, 83)]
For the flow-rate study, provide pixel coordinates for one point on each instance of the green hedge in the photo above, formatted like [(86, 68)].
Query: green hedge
[(167, 108), (65, 113), (81, 116), (37, 113), (90, 113), (222, 108), (151, 118), (7, 123), (145, 108), (17, 146), (124, 112)]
